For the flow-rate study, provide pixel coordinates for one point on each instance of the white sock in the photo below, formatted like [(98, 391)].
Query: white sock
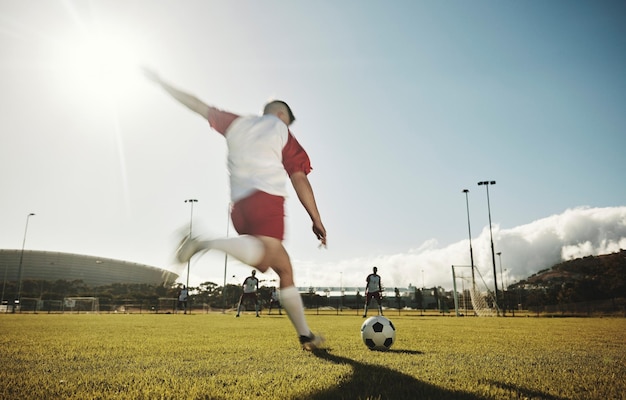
[(292, 303), (246, 248)]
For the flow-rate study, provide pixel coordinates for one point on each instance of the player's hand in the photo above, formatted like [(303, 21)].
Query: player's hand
[(150, 74), (320, 233)]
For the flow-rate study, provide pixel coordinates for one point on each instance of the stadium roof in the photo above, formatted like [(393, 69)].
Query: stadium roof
[(93, 271)]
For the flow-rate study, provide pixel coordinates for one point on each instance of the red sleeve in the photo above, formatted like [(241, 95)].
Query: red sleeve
[(295, 158), (220, 120)]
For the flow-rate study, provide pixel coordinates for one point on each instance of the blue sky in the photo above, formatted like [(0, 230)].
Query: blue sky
[(401, 105)]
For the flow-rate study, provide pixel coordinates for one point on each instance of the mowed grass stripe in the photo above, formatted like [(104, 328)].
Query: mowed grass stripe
[(217, 356)]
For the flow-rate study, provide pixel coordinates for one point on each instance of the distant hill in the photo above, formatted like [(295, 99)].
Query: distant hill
[(583, 279)]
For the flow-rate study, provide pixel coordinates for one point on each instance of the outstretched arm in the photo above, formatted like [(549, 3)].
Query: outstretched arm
[(303, 189), (186, 99)]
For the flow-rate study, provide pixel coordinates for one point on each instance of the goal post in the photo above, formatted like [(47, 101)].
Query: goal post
[(33, 304), (483, 302), (84, 304), (167, 305)]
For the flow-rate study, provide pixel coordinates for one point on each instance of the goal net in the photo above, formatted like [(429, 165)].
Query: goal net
[(474, 293), (167, 305), (81, 304), (30, 304)]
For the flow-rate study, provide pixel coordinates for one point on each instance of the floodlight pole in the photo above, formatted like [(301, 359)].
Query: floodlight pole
[(226, 259), (4, 283), (18, 299), (469, 229), (503, 285), (493, 254), (190, 201)]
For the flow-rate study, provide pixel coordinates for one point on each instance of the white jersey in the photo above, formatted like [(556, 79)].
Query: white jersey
[(373, 283), (250, 284), (255, 145)]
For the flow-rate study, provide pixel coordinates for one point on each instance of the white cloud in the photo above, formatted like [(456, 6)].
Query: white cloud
[(525, 250)]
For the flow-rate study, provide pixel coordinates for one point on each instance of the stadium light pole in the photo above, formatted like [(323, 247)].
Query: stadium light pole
[(501, 274), (503, 285), (190, 201), (226, 258), (4, 282), (469, 230), (341, 290), (19, 268), (493, 254)]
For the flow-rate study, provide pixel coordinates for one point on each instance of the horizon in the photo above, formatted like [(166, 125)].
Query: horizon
[(601, 231)]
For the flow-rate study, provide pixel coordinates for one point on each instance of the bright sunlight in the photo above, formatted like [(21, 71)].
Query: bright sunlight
[(96, 70), (99, 64)]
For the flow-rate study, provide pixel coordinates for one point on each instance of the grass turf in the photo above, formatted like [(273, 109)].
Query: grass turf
[(216, 356)]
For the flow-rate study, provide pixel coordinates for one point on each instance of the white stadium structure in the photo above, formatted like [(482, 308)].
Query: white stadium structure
[(93, 271)]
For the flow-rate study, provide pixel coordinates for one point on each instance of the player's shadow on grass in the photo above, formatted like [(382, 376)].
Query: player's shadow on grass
[(370, 381), (524, 393)]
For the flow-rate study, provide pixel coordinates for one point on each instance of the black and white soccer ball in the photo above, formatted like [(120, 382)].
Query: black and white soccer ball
[(378, 333)]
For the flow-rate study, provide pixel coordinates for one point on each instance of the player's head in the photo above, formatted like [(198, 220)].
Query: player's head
[(375, 269), (280, 109), (253, 272)]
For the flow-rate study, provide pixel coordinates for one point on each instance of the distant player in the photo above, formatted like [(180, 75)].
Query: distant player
[(250, 289), (275, 301), (263, 155), (183, 296), (373, 290)]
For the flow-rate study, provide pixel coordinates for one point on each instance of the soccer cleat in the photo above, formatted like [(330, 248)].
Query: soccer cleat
[(186, 249), (311, 342)]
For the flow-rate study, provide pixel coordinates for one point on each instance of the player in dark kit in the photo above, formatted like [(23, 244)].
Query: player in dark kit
[(373, 290), (250, 288), (275, 302)]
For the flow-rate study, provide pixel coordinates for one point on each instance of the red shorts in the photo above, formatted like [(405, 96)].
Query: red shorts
[(260, 214)]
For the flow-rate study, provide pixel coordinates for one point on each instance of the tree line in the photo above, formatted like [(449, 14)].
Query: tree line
[(585, 280)]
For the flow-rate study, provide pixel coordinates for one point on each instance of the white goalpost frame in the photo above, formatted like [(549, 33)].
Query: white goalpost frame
[(38, 303), (170, 302), (457, 305), (479, 303), (70, 303)]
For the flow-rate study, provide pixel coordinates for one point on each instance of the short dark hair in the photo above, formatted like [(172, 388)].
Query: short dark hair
[(270, 107)]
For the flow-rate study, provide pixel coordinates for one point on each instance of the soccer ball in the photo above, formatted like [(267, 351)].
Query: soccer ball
[(378, 333)]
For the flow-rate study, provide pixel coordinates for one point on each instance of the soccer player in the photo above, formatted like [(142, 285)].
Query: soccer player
[(373, 290), (250, 288), (262, 155), (275, 301), (182, 298)]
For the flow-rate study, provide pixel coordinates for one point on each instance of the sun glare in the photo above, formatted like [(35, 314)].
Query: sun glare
[(96, 70), (100, 65)]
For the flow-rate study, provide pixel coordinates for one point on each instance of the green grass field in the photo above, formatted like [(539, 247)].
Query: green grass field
[(216, 356)]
